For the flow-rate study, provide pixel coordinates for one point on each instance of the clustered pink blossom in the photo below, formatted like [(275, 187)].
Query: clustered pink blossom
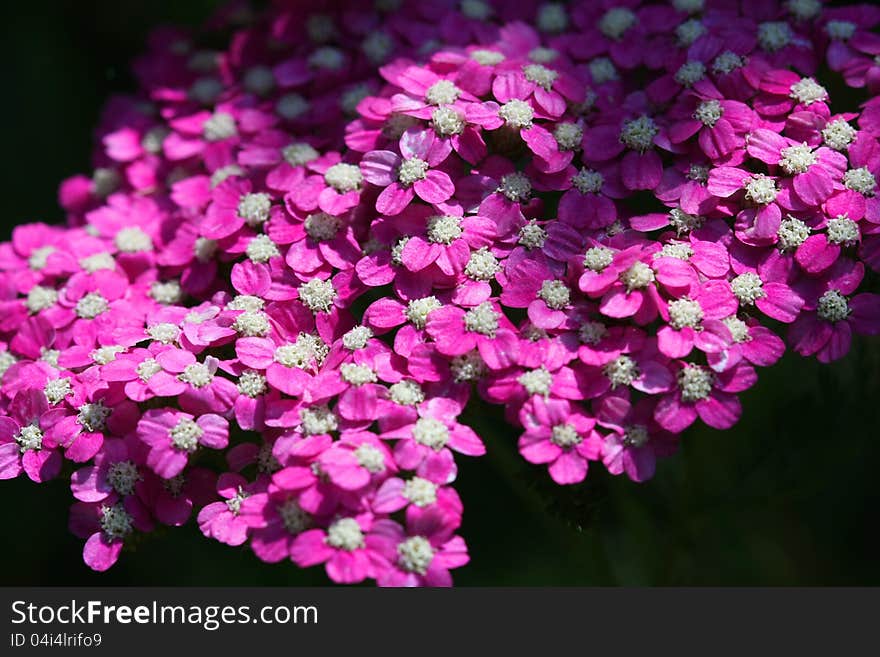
[(298, 260)]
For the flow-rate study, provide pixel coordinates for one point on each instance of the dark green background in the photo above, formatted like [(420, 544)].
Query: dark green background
[(789, 496)]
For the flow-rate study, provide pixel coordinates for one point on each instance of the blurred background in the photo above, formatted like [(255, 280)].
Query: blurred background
[(788, 497)]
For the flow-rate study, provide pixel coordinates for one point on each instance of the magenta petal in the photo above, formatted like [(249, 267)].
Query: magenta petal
[(435, 187), (569, 468), (394, 199), (641, 171), (99, 553)]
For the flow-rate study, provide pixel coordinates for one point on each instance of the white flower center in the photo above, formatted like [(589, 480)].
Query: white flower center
[(442, 92), (7, 360), (115, 521), (833, 306), (483, 319), (185, 435), (532, 236), (133, 240), (420, 492), (602, 70), (588, 181), (568, 135), (748, 287), (104, 355), (468, 367), (345, 534), (57, 389), (166, 292), (198, 375), (555, 294), (689, 31), (840, 30), (29, 439), (415, 554), (690, 73), (444, 229), (417, 310), (204, 249), (537, 381), (292, 106), (431, 433), (406, 393), (616, 21), (622, 371), (39, 257), (154, 138), (298, 154), (91, 305), (40, 298), (760, 189), (123, 476), (677, 250), (262, 249), (860, 180), (695, 383), (92, 417), (223, 173), (357, 375), (252, 323), (698, 173), (838, 134), (807, 91), (792, 233), (639, 133), (357, 338), (234, 502), (540, 75), (254, 208), (552, 18), (592, 332), (318, 295), (774, 35), (516, 186), (708, 112), (517, 113), (565, 436), (487, 57), (804, 9), (797, 159), (351, 98), (147, 368), (727, 62), (294, 519), (542, 55), (370, 458), (321, 226), (307, 351), (638, 276), (447, 121), (688, 6), (219, 127), (327, 57), (842, 230), (685, 312), (251, 384), (165, 332), (318, 420), (259, 80), (739, 330), (104, 182), (597, 258), (482, 265), (377, 46), (684, 222), (205, 90), (344, 177), (244, 302)]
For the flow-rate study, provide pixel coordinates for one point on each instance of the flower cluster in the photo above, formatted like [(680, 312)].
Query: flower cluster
[(298, 260)]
